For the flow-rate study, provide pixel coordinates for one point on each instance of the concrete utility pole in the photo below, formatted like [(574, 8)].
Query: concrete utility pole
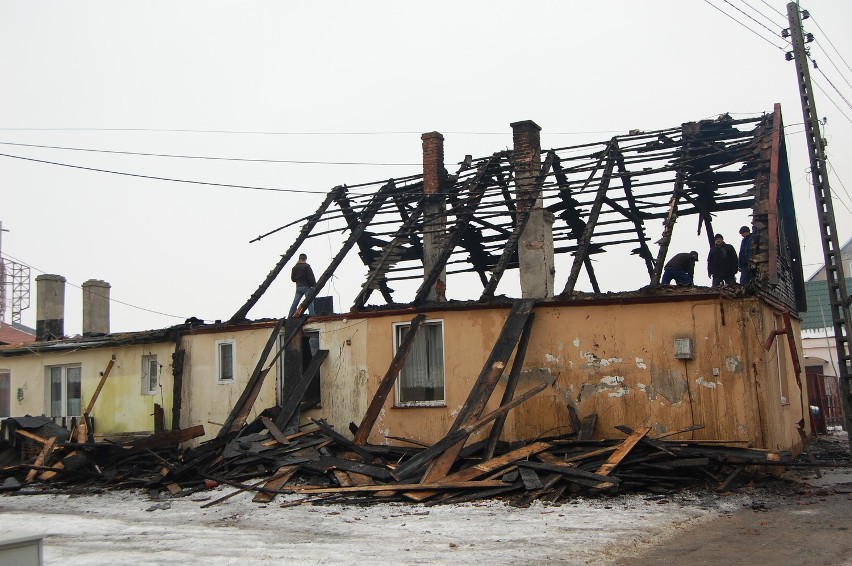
[(825, 210)]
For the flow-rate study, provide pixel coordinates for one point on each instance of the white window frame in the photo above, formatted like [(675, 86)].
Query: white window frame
[(398, 387), (48, 389), (150, 361), (219, 368)]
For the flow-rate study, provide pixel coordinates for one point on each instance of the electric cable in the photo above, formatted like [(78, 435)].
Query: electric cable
[(111, 299), (211, 158), (745, 26), (771, 31)]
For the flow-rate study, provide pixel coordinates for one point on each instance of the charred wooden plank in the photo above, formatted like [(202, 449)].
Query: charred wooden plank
[(623, 451), (295, 395), (281, 477), (387, 382), (168, 438), (238, 414)]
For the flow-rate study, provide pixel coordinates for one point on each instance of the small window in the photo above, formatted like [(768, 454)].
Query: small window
[(421, 379), (150, 375), (64, 391), (5, 394), (225, 361)]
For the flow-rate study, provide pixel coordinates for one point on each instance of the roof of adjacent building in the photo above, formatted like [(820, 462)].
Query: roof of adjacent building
[(819, 306), (16, 333)]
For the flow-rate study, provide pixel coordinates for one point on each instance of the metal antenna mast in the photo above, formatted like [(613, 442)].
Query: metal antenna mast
[(825, 211)]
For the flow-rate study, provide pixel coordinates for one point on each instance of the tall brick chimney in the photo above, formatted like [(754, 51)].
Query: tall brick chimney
[(535, 248), (95, 307), (435, 219), (50, 307)]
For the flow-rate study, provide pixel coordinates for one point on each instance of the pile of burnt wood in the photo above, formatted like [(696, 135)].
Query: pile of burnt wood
[(323, 465)]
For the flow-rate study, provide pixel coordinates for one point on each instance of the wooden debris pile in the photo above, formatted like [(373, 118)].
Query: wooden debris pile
[(324, 466)]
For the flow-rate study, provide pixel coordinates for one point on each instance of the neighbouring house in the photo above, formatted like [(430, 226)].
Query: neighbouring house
[(819, 347), (703, 363)]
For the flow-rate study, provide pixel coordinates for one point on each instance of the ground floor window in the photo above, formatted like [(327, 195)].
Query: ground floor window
[(64, 391), (421, 379), (225, 361), (150, 375)]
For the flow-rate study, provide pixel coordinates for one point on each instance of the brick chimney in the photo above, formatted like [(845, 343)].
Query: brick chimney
[(435, 219), (50, 307), (95, 307), (535, 248)]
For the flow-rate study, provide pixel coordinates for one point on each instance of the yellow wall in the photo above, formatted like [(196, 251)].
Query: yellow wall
[(205, 400), (120, 406), (616, 361), (613, 360)]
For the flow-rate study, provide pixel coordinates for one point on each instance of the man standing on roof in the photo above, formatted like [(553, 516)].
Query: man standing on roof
[(680, 268), (745, 255), (722, 263), (303, 276)]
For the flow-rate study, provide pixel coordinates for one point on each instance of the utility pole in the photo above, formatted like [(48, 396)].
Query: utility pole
[(834, 275)]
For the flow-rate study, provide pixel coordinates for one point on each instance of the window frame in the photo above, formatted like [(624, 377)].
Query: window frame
[(63, 390), (219, 367), (398, 402), (147, 360)]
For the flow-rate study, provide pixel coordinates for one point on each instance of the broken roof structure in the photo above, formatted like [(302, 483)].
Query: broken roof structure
[(522, 207)]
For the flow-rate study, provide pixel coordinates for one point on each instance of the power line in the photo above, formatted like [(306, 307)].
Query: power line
[(745, 26), (839, 72), (212, 158), (769, 19), (110, 298), (828, 96), (773, 8), (771, 31), (834, 87), (825, 35), (156, 178), (270, 133)]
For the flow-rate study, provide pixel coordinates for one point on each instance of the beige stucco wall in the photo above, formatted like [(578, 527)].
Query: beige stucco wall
[(205, 400), (120, 406), (614, 360)]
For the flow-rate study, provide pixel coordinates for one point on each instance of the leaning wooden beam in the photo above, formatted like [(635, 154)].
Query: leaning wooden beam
[(633, 213), (463, 212), (387, 382), (104, 375), (511, 385), (294, 399), (483, 388), (389, 256), (365, 218), (303, 234), (282, 476), (622, 451), (462, 433), (583, 244), (243, 405)]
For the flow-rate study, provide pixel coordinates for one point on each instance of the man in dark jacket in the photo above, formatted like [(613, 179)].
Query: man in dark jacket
[(303, 276), (722, 263), (745, 255), (680, 268)]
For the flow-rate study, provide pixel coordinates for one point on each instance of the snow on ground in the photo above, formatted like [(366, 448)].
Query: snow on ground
[(123, 527)]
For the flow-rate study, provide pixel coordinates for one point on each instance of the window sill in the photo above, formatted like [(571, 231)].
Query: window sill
[(223, 382), (435, 405)]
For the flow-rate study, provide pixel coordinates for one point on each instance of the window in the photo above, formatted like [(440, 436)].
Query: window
[(225, 361), (782, 351), (5, 393), (421, 379), (63, 391), (150, 375)]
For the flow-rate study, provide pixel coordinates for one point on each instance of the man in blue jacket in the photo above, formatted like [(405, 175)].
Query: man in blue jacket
[(745, 255)]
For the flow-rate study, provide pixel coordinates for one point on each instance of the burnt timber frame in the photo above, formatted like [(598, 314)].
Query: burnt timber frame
[(630, 190)]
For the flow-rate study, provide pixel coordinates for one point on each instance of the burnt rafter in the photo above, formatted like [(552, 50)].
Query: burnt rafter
[(602, 196)]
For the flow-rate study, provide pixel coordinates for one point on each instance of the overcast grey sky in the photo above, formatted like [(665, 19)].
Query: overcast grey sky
[(346, 82)]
